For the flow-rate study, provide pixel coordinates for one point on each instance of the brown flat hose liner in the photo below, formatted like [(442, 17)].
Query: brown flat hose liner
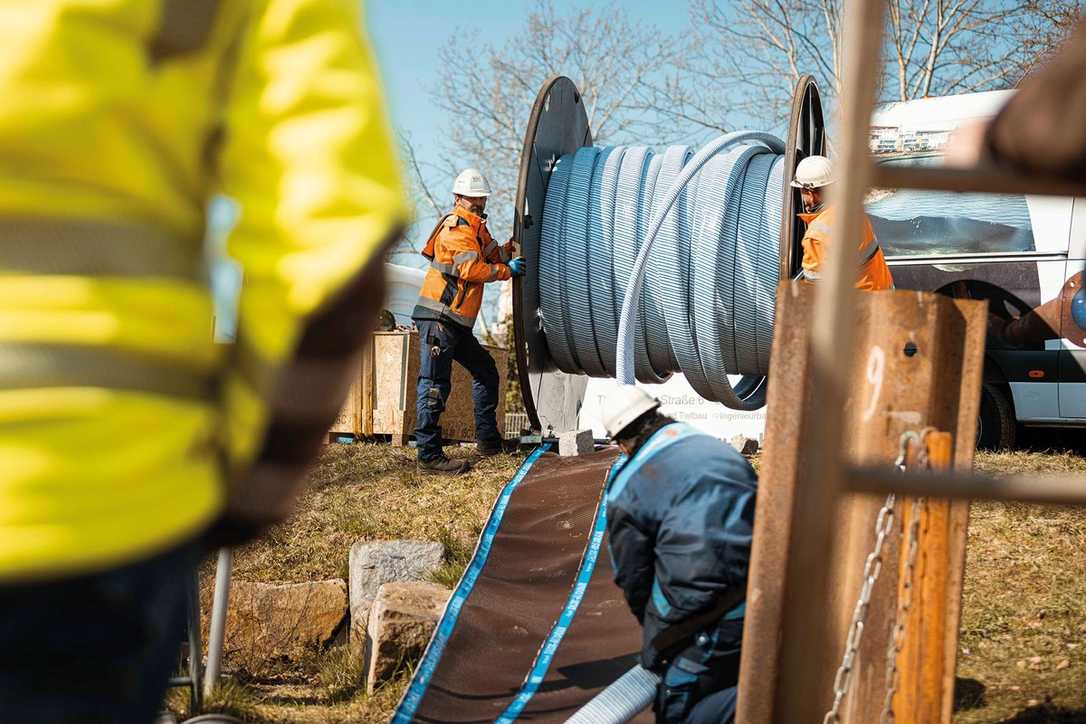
[(525, 583)]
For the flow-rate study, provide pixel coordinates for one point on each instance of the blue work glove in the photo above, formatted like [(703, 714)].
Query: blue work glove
[(516, 266)]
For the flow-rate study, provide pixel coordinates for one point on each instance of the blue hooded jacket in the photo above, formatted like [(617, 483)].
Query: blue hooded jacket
[(680, 516)]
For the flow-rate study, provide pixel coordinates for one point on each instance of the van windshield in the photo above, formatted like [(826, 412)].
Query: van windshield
[(914, 222)]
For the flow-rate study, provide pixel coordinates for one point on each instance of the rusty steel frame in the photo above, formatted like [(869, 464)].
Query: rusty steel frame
[(1042, 489), (824, 476), (907, 342), (821, 413), (985, 178)]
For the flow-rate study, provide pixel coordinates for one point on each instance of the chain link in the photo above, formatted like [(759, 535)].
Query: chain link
[(872, 568)]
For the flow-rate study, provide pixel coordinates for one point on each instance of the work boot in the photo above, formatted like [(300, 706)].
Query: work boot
[(444, 466), (497, 447)]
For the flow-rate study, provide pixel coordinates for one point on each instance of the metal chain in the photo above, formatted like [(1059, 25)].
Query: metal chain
[(872, 568)]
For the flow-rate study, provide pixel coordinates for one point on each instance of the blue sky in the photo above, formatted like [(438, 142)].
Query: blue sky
[(407, 35)]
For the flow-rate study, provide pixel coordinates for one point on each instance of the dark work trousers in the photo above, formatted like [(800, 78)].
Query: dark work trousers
[(441, 343), (692, 693), (97, 647)]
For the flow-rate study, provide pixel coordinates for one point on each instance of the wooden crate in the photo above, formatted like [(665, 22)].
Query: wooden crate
[(382, 401)]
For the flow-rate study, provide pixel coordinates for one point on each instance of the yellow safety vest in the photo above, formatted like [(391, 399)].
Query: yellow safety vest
[(119, 120)]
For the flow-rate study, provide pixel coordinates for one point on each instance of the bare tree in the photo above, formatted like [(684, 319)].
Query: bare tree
[(755, 50), (1044, 28), (428, 204), (487, 91)]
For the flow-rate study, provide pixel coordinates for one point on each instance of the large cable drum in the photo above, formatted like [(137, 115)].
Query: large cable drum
[(725, 232)]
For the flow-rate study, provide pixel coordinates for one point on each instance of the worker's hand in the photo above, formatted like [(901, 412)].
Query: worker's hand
[(517, 266), (965, 145)]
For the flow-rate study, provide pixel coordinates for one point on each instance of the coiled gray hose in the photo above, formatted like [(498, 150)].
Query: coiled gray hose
[(705, 307)]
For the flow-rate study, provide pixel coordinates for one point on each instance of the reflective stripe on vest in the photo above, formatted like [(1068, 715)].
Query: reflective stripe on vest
[(868, 252), (442, 309), (35, 366), (92, 249), (453, 269), (87, 248)]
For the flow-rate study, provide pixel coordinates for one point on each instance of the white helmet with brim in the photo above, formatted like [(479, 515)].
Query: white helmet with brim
[(813, 172), (471, 183), (624, 406)]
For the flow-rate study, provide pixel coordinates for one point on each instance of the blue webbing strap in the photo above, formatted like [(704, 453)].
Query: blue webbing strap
[(405, 712)]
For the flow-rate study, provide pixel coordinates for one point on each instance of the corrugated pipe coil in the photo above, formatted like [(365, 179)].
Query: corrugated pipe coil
[(677, 253)]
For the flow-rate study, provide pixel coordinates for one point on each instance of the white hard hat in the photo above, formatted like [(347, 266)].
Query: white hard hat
[(625, 405), (471, 183), (813, 172)]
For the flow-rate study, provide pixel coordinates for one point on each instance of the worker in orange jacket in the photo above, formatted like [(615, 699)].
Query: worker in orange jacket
[(814, 175), (463, 258)]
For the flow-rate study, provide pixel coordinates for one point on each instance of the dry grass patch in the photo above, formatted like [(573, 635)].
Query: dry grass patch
[(373, 492), (1024, 614), (355, 492), (1021, 656)]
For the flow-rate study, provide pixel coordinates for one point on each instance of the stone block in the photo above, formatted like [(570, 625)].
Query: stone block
[(402, 619), (267, 621), (373, 564), (576, 442)]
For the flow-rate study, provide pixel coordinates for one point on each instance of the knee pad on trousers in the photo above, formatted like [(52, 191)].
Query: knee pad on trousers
[(435, 401)]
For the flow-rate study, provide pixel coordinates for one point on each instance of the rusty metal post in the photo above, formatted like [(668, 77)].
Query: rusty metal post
[(827, 376), (918, 363)]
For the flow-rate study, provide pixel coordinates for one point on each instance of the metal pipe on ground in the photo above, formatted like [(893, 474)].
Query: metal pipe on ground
[(217, 627)]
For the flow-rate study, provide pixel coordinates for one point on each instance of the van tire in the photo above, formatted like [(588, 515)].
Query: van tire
[(996, 423)]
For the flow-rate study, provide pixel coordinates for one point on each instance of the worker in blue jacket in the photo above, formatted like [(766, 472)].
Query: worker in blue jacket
[(680, 516)]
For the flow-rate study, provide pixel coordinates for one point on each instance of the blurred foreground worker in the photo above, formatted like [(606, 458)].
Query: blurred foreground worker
[(463, 257), (814, 176), (126, 435), (680, 539), (1040, 130)]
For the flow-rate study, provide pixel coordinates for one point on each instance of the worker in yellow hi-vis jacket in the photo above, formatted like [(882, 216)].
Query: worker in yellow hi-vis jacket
[(124, 435)]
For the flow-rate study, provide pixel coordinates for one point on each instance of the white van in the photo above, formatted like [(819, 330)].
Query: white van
[(1024, 254)]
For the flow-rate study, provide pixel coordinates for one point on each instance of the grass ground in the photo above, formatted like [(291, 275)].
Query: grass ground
[(1021, 657), (356, 492), (1024, 614)]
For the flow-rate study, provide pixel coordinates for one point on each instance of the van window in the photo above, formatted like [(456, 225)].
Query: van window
[(915, 222)]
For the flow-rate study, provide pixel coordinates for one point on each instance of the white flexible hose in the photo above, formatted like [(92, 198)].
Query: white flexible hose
[(630, 695), (688, 243)]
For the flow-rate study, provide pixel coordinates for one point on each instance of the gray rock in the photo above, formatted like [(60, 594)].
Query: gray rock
[(402, 619), (265, 621), (372, 565), (745, 445), (576, 442)]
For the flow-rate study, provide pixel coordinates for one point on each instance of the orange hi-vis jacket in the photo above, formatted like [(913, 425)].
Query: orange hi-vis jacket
[(873, 274), (463, 257)]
